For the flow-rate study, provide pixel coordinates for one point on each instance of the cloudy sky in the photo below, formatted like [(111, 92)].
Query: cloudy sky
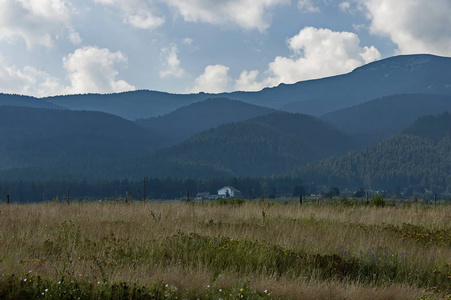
[(52, 47)]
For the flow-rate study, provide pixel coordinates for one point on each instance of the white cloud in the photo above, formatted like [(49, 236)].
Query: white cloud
[(92, 70), (27, 81), (137, 13), (187, 41), (248, 81), (37, 22), (248, 14), (420, 26), (89, 70), (320, 53), (215, 79), (345, 6), (144, 20), (75, 38), (172, 64), (317, 53), (370, 54), (308, 6), (358, 27)]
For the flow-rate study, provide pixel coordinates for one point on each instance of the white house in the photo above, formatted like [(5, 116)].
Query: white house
[(229, 191)]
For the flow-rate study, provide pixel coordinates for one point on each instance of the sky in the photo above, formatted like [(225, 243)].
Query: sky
[(55, 47)]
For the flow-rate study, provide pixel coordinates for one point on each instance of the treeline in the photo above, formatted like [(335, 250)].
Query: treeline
[(41, 191)]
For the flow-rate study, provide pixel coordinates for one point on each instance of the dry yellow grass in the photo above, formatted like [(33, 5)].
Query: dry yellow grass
[(116, 242)]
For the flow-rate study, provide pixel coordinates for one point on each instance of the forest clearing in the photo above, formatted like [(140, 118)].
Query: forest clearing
[(225, 250)]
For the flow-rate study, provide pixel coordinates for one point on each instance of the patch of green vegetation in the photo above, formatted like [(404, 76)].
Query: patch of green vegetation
[(35, 287)]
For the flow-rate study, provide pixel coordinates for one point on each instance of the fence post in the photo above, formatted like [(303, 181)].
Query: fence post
[(435, 199), (144, 189), (187, 196), (300, 199), (68, 196), (7, 199)]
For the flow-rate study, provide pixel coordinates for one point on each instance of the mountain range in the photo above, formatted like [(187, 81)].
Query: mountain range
[(407, 74), (365, 128)]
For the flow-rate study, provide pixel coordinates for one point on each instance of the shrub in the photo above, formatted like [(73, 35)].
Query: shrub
[(378, 201)]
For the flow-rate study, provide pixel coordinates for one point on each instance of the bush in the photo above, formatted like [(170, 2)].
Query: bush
[(378, 201)]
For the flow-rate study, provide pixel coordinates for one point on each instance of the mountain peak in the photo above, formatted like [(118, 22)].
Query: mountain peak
[(405, 62)]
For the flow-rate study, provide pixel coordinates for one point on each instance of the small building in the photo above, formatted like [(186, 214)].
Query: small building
[(202, 196), (229, 191)]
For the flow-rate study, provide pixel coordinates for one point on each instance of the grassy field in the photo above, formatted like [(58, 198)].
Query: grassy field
[(251, 250)]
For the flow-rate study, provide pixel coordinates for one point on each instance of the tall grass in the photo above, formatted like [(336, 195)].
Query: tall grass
[(224, 250)]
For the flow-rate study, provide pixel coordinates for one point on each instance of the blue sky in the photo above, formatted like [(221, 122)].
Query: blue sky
[(52, 47)]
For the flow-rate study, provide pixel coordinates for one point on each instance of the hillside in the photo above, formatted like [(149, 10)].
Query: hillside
[(67, 143), (409, 74), (128, 105), (432, 127), (378, 119), (25, 101), (263, 146), (413, 74), (197, 117), (419, 157)]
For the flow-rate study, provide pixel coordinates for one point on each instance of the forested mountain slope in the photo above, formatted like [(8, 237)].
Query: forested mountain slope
[(67, 142), (419, 157), (197, 117), (380, 118), (263, 146), (26, 101)]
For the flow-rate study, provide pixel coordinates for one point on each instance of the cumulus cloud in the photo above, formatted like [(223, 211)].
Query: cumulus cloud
[(308, 6), (370, 54), (137, 13), (320, 53), (89, 70), (420, 26), (93, 70), (317, 53), (172, 63), (27, 81), (36, 22), (248, 14), (248, 82), (215, 79)]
